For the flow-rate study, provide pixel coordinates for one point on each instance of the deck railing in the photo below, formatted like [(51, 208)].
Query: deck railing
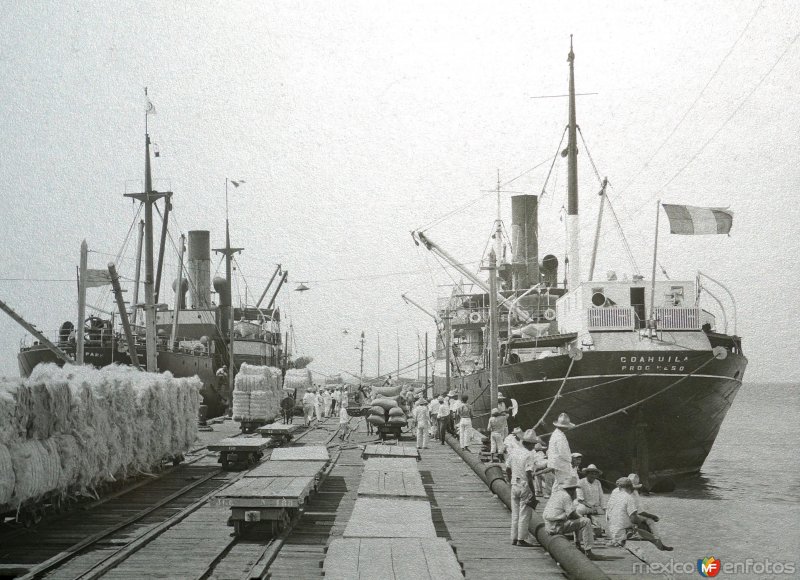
[(678, 318), (611, 318)]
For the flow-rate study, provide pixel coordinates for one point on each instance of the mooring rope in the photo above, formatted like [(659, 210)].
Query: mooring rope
[(557, 395)]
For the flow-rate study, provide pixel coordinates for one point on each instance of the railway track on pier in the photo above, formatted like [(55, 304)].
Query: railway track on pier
[(102, 541)]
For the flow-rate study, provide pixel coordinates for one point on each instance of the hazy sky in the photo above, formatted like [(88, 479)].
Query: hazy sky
[(356, 122)]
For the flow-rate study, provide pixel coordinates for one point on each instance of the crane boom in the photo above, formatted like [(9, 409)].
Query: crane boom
[(436, 249)]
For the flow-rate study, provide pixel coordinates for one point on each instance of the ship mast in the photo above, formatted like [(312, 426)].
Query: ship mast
[(573, 222), (148, 198)]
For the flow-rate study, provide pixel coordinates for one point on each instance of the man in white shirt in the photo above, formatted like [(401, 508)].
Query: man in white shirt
[(318, 403), (519, 470), (455, 405), (308, 406), (422, 418), (326, 403), (512, 441), (443, 416), (559, 456), (623, 517), (433, 410), (649, 521), (543, 481), (560, 516), (590, 499)]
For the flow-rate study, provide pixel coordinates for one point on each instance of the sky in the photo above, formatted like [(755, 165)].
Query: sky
[(354, 123)]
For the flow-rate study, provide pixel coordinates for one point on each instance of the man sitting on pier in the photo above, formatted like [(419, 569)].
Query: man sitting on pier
[(624, 519), (590, 499), (560, 516), (649, 520), (519, 470)]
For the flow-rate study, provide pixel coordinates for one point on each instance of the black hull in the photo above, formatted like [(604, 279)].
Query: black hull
[(668, 435), (180, 364)]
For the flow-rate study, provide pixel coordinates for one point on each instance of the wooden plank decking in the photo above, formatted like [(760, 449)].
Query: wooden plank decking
[(398, 559), (278, 429), (265, 492), (389, 518), (391, 464), (240, 444), (287, 469)]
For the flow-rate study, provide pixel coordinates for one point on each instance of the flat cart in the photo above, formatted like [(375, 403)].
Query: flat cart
[(390, 430), (280, 433), (251, 425), (264, 505), (390, 451), (237, 453), (307, 453)]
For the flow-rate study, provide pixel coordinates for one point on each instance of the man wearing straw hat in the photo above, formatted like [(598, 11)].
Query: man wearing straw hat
[(623, 517), (513, 440), (560, 516), (649, 520), (559, 456), (519, 470), (443, 417), (590, 499), (497, 427)]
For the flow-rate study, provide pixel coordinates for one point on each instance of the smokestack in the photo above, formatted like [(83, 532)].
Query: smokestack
[(199, 267), (550, 270), (525, 239)]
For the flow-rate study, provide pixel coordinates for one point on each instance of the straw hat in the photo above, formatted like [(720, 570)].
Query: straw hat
[(569, 482), (495, 412), (635, 481), (539, 447), (564, 422), (501, 396), (624, 482), (593, 468), (529, 436), (441, 398), (422, 401), (517, 431), (576, 454), (452, 393)]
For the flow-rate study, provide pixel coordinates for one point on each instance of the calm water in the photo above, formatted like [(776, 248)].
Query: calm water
[(746, 501)]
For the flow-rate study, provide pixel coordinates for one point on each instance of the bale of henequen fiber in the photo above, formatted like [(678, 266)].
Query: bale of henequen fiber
[(397, 412), (398, 421), (384, 402), (7, 477), (376, 410), (386, 391)]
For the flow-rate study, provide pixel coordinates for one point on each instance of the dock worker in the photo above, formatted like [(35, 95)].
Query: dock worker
[(318, 404), (590, 500), (308, 406), (422, 418), (433, 412), (560, 516), (502, 408), (650, 521), (577, 459), (559, 456), (287, 408), (334, 400), (623, 517), (222, 387), (443, 418), (497, 427), (519, 470), (464, 414), (344, 419), (513, 439), (326, 402), (542, 481)]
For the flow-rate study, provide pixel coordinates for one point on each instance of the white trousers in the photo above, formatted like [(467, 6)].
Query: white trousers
[(463, 432), (497, 442), (582, 525), (318, 411), (422, 436), (520, 512)]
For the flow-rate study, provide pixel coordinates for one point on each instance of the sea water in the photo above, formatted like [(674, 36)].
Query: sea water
[(745, 504)]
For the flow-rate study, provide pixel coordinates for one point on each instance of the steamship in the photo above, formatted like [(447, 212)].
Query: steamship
[(643, 369), (191, 338)]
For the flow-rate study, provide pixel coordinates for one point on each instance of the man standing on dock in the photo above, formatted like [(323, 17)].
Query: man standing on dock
[(559, 456), (422, 418), (464, 414), (519, 470), (443, 417), (308, 406), (560, 516), (433, 410), (497, 427)]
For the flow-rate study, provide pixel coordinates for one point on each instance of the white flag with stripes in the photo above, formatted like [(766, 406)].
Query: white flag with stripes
[(691, 220)]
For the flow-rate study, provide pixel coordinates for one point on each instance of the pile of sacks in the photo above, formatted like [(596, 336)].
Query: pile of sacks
[(299, 379), (385, 410), (257, 393), (68, 430)]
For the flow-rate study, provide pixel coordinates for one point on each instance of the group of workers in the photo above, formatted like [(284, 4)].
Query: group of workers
[(573, 503), (321, 402)]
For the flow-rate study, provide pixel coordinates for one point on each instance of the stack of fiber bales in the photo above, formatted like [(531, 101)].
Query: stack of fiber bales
[(386, 391), (67, 430), (256, 396), (299, 379), (385, 410)]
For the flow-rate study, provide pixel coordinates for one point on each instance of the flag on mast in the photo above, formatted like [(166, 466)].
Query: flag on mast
[(95, 278), (690, 220)]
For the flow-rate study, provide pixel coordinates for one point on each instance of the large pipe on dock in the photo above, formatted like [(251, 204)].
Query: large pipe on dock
[(572, 561)]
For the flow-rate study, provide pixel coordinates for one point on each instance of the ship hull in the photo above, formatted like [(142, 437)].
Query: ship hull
[(657, 414)]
